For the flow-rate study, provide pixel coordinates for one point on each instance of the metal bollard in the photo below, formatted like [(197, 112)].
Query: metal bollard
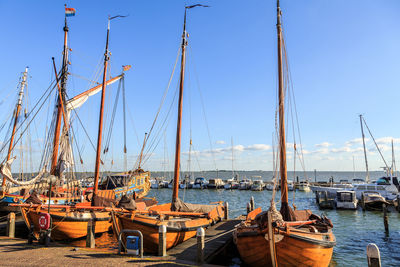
[(398, 203), (47, 235), (373, 255), (226, 211), (11, 225), (90, 241), (162, 241), (385, 219), (31, 235), (200, 245), (252, 204)]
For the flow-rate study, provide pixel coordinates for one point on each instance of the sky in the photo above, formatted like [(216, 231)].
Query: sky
[(343, 58)]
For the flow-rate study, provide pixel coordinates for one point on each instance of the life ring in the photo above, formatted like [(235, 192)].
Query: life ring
[(44, 221), (15, 199)]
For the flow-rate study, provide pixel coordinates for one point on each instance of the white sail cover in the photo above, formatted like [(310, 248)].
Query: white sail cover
[(5, 170), (79, 100)]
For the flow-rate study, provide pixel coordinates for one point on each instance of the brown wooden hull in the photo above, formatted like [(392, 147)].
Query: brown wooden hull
[(179, 229), (297, 248), (69, 225)]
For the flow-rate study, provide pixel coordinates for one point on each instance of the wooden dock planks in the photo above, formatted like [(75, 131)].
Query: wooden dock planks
[(217, 238)]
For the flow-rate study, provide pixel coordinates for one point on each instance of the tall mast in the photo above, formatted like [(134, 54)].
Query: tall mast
[(179, 122), (393, 168), (16, 114), (64, 74), (285, 209), (99, 137), (233, 172), (365, 150), (141, 151)]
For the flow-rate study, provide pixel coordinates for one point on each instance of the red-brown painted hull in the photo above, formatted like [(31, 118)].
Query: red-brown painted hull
[(179, 229), (69, 225), (294, 248)]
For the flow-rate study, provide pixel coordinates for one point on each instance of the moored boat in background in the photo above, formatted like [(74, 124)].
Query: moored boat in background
[(371, 200), (346, 200)]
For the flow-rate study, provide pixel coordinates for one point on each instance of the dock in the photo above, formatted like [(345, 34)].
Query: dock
[(217, 239), (17, 252)]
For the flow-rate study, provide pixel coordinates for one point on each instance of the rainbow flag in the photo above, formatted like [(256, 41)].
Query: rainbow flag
[(69, 12)]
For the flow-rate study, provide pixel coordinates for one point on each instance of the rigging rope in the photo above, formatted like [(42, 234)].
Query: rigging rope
[(204, 111), (387, 166)]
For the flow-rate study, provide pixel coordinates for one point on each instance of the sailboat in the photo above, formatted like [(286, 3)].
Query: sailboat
[(232, 183), (181, 219), (15, 190), (70, 221), (289, 237), (387, 186)]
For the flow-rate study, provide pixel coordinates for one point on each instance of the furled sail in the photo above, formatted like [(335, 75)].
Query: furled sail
[(66, 157), (5, 170), (80, 99)]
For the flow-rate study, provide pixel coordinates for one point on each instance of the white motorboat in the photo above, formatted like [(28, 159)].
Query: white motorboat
[(304, 186), (346, 200), (290, 185), (258, 185), (215, 183), (232, 183), (200, 183), (387, 187), (331, 188), (245, 184), (154, 184)]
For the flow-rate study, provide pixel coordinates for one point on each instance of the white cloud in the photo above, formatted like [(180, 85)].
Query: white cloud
[(356, 141), (220, 142), (236, 148), (387, 140), (324, 144), (258, 147)]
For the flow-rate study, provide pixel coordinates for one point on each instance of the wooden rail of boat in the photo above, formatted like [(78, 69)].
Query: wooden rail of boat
[(153, 212)]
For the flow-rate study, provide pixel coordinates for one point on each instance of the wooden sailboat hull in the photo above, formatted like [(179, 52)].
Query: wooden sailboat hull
[(68, 225), (294, 249), (179, 228)]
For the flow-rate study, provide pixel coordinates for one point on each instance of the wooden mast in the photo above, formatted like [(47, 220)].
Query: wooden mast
[(16, 114), (99, 137), (285, 209), (56, 140), (141, 152), (365, 150), (179, 122)]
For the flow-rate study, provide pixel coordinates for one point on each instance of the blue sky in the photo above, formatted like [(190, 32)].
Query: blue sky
[(343, 56)]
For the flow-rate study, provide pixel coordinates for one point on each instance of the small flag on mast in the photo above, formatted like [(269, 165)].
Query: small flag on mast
[(126, 67), (69, 11)]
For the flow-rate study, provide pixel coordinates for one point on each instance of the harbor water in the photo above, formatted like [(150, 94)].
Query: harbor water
[(353, 230)]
